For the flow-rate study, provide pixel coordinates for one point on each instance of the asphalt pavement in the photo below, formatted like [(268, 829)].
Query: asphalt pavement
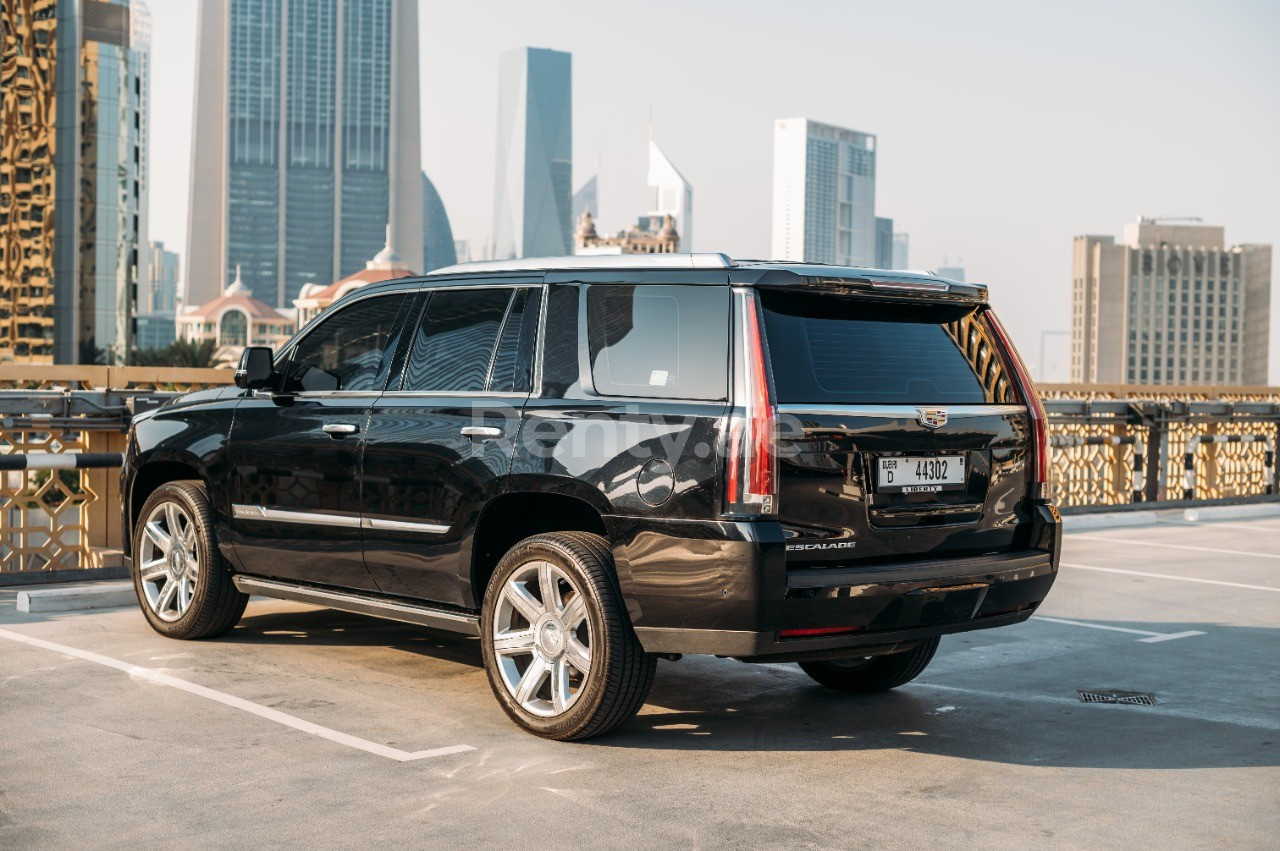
[(309, 727)]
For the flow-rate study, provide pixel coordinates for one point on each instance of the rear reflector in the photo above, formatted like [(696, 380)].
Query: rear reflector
[(822, 630)]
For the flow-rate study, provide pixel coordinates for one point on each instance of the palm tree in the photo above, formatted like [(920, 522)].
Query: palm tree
[(192, 354)]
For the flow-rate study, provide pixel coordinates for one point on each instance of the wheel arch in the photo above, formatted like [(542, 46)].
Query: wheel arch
[(515, 515), (148, 475)]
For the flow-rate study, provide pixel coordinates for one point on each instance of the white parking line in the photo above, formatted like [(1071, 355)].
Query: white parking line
[(1076, 566), (270, 714), (1216, 550), (1152, 637)]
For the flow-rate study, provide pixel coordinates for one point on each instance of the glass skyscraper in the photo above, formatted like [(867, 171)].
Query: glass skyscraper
[(73, 88), (533, 193), (306, 143), (438, 249), (824, 193)]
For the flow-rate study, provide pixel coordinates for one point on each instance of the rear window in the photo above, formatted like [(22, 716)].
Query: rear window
[(830, 349), (668, 342)]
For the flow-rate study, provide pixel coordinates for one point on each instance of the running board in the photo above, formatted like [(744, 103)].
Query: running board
[(361, 604)]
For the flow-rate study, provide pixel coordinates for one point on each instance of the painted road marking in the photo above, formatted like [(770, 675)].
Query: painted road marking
[(1076, 566), (1215, 550), (1152, 637), (154, 676)]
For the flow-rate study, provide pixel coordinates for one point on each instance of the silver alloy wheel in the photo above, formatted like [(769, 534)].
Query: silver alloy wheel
[(169, 561), (542, 638)]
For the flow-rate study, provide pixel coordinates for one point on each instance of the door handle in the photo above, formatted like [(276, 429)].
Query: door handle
[(340, 429), (479, 434)]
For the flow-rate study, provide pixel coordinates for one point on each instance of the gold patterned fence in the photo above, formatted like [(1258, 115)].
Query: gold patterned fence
[(1102, 473), (51, 521), (69, 519)]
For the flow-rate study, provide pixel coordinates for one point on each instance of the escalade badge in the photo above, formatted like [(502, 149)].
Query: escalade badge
[(932, 417)]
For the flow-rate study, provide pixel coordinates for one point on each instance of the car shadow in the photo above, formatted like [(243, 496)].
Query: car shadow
[(1023, 713)]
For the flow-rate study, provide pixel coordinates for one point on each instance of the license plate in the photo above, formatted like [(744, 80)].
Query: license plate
[(919, 473)]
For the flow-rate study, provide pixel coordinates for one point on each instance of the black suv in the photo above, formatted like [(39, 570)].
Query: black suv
[(596, 462)]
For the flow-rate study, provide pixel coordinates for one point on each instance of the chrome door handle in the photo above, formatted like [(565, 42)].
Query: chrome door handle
[(480, 433), (340, 429)]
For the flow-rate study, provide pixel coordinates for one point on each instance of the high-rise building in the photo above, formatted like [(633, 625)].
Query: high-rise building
[(672, 195), (824, 193), (884, 243), (438, 249), (1171, 304), (954, 273), (159, 292), (73, 88), (306, 142), (154, 326), (901, 250), (532, 201), (586, 200)]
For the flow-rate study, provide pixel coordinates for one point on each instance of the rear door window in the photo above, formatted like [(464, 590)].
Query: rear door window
[(669, 342), (474, 340), (841, 350)]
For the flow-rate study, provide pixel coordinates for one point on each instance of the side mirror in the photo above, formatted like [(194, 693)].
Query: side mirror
[(256, 368)]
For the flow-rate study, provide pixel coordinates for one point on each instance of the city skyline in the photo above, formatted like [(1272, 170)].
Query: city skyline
[(306, 143), (982, 158)]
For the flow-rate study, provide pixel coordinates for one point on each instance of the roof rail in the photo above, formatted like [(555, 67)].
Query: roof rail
[(593, 261)]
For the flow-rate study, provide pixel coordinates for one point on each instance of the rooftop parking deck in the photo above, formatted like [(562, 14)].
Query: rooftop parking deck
[(307, 726)]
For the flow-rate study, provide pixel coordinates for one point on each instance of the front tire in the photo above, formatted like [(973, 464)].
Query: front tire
[(873, 673), (183, 584), (562, 658)]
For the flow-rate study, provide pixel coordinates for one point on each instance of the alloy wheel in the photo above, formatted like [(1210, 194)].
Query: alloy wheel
[(169, 561), (542, 638)]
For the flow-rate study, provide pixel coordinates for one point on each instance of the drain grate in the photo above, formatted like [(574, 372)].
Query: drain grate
[(1136, 698)]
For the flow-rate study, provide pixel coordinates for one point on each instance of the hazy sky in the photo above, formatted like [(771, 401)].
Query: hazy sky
[(1005, 128)]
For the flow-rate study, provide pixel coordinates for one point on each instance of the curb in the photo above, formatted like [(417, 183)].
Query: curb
[(1116, 520), (1229, 512), (99, 595)]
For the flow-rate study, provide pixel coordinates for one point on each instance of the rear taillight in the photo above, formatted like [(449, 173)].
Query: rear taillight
[(751, 469), (1041, 475)]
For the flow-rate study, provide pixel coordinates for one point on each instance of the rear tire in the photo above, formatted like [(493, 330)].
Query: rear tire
[(183, 584), (559, 649), (874, 673)]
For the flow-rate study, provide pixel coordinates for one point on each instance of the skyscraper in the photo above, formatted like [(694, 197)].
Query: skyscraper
[(1172, 304), (73, 89), (586, 200), (884, 243), (901, 250), (158, 293), (306, 142), (532, 199), (437, 237), (824, 193), (672, 195)]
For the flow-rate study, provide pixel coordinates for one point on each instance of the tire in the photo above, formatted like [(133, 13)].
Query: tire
[(874, 673), (529, 648), (189, 595)]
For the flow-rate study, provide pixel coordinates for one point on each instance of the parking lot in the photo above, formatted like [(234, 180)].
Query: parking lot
[(311, 727)]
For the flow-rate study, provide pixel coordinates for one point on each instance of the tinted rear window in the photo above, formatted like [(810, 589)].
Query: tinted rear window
[(666, 342), (829, 349)]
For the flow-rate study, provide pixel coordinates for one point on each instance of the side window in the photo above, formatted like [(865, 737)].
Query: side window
[(670, 342), (454, 345), (513, 364), (346, 350)]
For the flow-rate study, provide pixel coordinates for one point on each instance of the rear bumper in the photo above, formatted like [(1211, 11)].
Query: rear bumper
[(724, 589)]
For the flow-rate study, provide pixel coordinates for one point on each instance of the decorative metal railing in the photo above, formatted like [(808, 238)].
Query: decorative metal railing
[(1111, 446)]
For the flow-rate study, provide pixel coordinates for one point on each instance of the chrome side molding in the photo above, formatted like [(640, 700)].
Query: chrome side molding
[(360, 604), (350, 521)]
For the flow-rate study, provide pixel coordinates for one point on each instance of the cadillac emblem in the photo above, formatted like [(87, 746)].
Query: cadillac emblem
[(932, 417)]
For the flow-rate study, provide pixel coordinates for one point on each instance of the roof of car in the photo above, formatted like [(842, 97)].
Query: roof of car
[(694, 268)]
